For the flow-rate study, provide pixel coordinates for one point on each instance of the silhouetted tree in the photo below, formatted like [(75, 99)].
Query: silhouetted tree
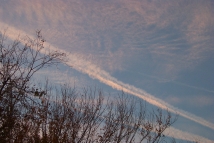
[(64, 115), (18, 63)]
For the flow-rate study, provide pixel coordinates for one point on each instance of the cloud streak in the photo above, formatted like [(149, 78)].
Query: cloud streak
[(96, 73)]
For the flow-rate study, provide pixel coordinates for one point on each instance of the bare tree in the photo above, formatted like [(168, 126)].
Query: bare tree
[(76, 117), (18, 63), (64, 115)]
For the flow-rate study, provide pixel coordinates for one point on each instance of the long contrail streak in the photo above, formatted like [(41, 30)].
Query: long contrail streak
[(95, 72)]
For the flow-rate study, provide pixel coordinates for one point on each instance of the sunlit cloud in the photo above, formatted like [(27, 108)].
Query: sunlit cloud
[(104, 37), (200, 30), (145, 27), (97, 73)]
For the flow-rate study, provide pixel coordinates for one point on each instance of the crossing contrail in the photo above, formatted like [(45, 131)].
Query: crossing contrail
[(81, 65)]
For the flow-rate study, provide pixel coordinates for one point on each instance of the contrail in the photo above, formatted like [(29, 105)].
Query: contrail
[(95, 72)]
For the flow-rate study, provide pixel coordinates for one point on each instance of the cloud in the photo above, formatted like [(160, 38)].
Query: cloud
[(199, 32), (156, 31), (95, 72), (182, 32)]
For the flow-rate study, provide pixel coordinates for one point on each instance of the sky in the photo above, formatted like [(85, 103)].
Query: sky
[(160, 51)]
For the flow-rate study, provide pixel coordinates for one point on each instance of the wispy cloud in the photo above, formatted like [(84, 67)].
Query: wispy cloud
[(95, 72), (175, 30)]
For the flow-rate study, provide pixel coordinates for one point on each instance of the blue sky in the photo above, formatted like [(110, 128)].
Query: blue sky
[(162, 49)]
